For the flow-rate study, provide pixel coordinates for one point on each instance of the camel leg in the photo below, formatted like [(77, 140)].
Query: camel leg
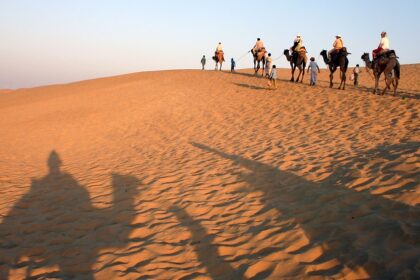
[(263, 69), (300, 72), (293, 73), (303, 74), (331, 79), (395, 85), (220, 69), (343, 79), (388, 81), (376, 85)]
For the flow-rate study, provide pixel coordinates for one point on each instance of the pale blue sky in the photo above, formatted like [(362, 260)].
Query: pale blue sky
[(56, 41)]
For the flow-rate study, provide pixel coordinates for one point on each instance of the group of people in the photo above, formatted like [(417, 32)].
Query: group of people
[(338, 45)]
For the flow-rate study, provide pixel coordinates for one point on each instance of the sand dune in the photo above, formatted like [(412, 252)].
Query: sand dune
[(209, 175)]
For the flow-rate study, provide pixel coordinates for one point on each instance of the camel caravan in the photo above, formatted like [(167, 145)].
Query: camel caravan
[(384, 60)]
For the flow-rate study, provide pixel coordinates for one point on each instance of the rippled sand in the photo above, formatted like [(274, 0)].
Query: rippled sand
[(209, 175)]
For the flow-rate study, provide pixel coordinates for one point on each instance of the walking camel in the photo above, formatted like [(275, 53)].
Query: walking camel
[(337, 60), (387, 64), (298, 61), (219, 58), (259, 57)]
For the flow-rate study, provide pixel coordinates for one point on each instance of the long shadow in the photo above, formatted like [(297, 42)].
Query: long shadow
[(206, 251), (358, 229), (250, 86), (400, 92), (56, 225)]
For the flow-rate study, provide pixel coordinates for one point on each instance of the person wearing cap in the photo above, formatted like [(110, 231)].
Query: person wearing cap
[(259, 45), (338, 45), (382, 47)]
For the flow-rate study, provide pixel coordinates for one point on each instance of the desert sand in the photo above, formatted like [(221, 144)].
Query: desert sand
[(195, 174)]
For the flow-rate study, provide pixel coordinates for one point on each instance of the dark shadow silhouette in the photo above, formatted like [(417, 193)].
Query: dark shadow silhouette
[(207, 252), (55, 224), (250, 86), (356, 228)]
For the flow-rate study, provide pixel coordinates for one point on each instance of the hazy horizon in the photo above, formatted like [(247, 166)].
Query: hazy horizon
[(47, 41)]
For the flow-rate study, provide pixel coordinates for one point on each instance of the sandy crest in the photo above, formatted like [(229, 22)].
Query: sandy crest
[(209, 175)]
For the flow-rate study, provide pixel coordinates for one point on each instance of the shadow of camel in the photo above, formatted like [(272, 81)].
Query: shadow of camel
[(55, 225), (357, 229)]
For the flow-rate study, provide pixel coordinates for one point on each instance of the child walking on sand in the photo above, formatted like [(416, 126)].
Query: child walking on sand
[(272, 78), (314, 71), (356, 72)]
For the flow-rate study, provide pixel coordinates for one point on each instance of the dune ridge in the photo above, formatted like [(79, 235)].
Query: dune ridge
[(209, 175)]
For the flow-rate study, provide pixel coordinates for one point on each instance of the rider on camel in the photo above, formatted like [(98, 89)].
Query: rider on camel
[(297, 45), (219, 48), (383, 46), (338, 45), (259, 45)]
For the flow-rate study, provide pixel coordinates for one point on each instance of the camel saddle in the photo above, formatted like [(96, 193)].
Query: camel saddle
[(336, 55), (387, 54)]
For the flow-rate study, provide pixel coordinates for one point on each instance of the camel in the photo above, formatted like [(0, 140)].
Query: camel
[(55, 224), (298, 61), (387, 64), (259, 57), (219, 58), (338, 60)]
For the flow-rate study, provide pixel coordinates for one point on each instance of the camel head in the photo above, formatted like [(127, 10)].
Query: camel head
[(365, 57), (323, 52), (286, 53)]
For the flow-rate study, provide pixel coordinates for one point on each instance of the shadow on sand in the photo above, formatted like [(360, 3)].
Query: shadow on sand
[(206, 251), (357, 229), (56, 225)]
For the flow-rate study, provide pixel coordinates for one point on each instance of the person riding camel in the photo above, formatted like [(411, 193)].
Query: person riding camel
[(297, 45), (338, 45), (259, 45), (383, 46), (219, 48)]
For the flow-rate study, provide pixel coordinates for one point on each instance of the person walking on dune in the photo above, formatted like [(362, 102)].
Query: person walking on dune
[(313, 66), (203, 62), (232, 65), (272, 78), (268, 65), (356, 72)]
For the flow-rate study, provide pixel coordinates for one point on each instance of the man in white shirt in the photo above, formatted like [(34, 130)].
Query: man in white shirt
[(259, 45), (383, 45), (219, 48)]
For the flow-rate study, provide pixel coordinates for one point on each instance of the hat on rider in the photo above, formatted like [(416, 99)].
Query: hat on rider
[(298, 35), (258, 39), (339, 36)]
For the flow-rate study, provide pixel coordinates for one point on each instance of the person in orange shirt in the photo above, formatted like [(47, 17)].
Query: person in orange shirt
[(338, 45)]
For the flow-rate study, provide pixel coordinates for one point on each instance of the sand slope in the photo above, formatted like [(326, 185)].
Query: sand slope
[(209, 175)]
